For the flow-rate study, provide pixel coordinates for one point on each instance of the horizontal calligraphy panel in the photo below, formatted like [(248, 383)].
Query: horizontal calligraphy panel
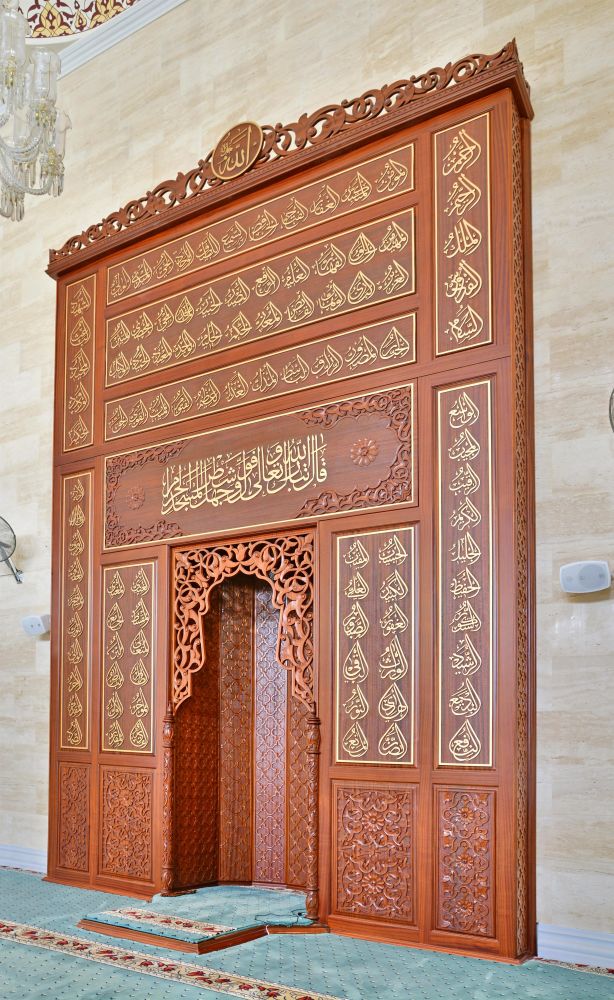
[(360, 351), (462, 235), (465, 573), (127, 709), (354, 269), (374, 647), (369, 182), (350, 454)]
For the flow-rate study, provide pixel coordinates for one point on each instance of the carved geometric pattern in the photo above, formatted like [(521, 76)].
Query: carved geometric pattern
[(196, 765), (375, 851), (286, 563), (280, 141), (126, 826), (73, 817), (521, 501), (397, 405), (236, 659), (298, 789), (465, 866), (270, 695)]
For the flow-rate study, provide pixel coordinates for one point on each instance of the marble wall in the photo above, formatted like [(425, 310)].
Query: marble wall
[(152, 105)]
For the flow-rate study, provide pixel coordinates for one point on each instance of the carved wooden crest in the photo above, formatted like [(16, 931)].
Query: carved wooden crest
[(237, 150)]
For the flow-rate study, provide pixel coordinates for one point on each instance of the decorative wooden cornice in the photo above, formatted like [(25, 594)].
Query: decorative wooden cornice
[(287, 148)]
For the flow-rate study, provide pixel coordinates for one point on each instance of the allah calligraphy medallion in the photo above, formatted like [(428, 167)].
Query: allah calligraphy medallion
[(237, 150)]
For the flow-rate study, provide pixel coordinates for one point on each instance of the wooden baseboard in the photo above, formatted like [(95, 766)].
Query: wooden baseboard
[(200, 947)]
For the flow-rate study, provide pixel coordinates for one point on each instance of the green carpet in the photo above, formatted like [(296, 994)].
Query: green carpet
[(325, 964)]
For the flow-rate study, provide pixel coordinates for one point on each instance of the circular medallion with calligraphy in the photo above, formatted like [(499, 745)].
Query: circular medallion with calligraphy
[(237, 150)]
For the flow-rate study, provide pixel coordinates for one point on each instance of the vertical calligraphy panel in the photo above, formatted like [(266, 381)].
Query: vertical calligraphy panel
[(374, 647), (79, 364), (465, 574), (128, 660), (462, 235), (75, 603)]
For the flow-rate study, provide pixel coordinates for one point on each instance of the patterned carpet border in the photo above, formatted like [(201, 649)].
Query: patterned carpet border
[(149, 965), (595, 970), (166, 920)]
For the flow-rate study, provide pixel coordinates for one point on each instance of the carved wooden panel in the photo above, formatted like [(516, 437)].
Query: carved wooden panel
[(270, 767), (375, 850), (197, 741), (79, 364), (463, 264), (351, 454), (298, 791), (126, 804), (362, 350), (374, 662), (368, 182), (235, 748), (74, 816), (465, 861), (75, 604), (465, 574), (358, 267), (128, 658)]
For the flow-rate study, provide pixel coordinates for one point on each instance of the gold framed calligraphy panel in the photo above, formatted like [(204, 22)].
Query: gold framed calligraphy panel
[(363, 350), (368, 182), (463, 265), (75, 604), (355, 268), (353, 453), (80, 317), (127, 707), (465, 574), (375, 647)]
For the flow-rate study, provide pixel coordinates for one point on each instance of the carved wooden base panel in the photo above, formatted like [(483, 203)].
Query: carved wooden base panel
[(465, 861), (74, 816), (126, 826), (375, 851)]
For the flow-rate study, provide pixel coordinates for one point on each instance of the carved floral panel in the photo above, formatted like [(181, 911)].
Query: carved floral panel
[(370, 181), (79, 364), (465, 574), (465, 861), (126, 823), (354, 453), (375, 853), (374, 662), (73, 816), (362, 350), (128, 658), (330, 277), (463, 262), (75, 603)]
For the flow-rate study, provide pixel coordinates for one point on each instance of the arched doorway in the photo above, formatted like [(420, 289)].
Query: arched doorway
[(242, 736)]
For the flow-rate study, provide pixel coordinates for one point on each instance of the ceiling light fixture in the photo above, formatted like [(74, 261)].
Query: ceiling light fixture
[(32, 130)]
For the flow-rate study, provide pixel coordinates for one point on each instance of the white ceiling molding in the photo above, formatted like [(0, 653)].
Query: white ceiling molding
[(82, 49)]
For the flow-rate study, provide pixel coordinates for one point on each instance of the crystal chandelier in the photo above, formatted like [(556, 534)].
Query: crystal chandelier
[(32, 130)]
